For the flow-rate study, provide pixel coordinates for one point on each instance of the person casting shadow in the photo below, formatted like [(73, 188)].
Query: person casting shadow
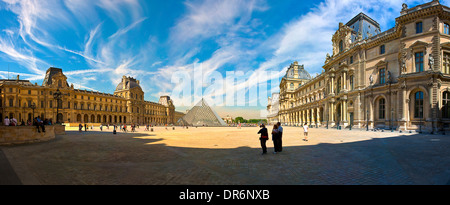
[(264, 137)]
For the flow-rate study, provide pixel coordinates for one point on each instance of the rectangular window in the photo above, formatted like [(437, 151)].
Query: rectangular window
[(419, 27), (446, 63), (382, 109), (351, 59), (382, 75), (11, 102), (418, 105), (351, 83), (419, 61), (51, 104), (446, 29), (382, 49)]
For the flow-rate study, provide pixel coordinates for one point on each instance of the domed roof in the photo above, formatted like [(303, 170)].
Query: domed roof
[(129, 84), (302, 73)]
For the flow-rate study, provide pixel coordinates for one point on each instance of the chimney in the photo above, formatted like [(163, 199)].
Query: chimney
[(124, 82)]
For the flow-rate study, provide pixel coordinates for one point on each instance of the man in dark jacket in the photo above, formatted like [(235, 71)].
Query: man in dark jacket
[(264, 137)]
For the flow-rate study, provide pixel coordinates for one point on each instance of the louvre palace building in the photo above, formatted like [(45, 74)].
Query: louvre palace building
[(22, 100), (396, 79)]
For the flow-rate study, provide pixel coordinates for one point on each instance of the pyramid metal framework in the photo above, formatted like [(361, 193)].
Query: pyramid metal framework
[(202, 115)]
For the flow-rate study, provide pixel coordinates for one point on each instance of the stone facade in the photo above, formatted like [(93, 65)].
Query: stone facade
[(273, 107), (396, 79), (126, 105)]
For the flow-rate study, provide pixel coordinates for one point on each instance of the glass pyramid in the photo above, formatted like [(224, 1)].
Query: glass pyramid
[(201, 115)]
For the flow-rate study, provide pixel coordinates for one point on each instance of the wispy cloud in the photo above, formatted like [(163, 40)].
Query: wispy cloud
[(25, 58), (126, 29)]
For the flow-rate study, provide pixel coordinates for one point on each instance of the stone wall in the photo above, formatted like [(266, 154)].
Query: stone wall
[(10, 135)]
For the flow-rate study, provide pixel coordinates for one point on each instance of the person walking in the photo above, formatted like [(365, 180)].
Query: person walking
[(264, 137), (275, 139), (305, 132), (80, 127), (280, 137)]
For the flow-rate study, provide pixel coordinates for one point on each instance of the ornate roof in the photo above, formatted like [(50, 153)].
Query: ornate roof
[(129, 84), (301, 72)]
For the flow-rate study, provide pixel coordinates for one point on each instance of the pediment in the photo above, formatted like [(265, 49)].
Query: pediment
[(445, 45), (381, 63), (419, 44)]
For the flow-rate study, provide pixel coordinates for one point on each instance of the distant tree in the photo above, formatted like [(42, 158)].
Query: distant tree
[(240, 119), (258, 120)]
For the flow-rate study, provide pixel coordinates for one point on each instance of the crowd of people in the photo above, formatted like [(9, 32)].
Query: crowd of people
[(120, 127), (37, 122)]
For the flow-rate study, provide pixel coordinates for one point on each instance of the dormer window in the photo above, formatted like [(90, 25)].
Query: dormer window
[(341, 46)]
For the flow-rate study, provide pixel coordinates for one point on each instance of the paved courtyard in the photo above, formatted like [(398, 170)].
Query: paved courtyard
[(229, 156)]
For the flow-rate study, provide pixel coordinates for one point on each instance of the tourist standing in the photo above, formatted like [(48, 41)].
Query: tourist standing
[(305, 132), (13, 122), (275, 139), (280, 137), (264, 137), (6, 121), (80, 127)]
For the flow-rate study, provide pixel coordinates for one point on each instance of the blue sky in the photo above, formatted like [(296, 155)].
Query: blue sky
[(97, 42)]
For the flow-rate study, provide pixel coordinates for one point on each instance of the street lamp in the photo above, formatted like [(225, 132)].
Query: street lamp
[(33, 106), (392, 119), (367, 125), (420, 118), (57, 96)]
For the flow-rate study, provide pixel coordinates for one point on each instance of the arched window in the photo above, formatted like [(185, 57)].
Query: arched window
[(446, 104), (381, 108), (418, 105), (341, 46)]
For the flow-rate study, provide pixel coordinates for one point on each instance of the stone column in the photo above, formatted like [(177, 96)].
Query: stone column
[(307, 117), (318, 116), (344, 113), (332, 111)]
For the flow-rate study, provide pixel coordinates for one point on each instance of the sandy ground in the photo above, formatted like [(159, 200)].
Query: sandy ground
[(208, 155)]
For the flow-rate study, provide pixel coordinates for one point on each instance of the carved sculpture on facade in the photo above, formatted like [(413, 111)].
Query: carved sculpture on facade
[(430, 61)]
